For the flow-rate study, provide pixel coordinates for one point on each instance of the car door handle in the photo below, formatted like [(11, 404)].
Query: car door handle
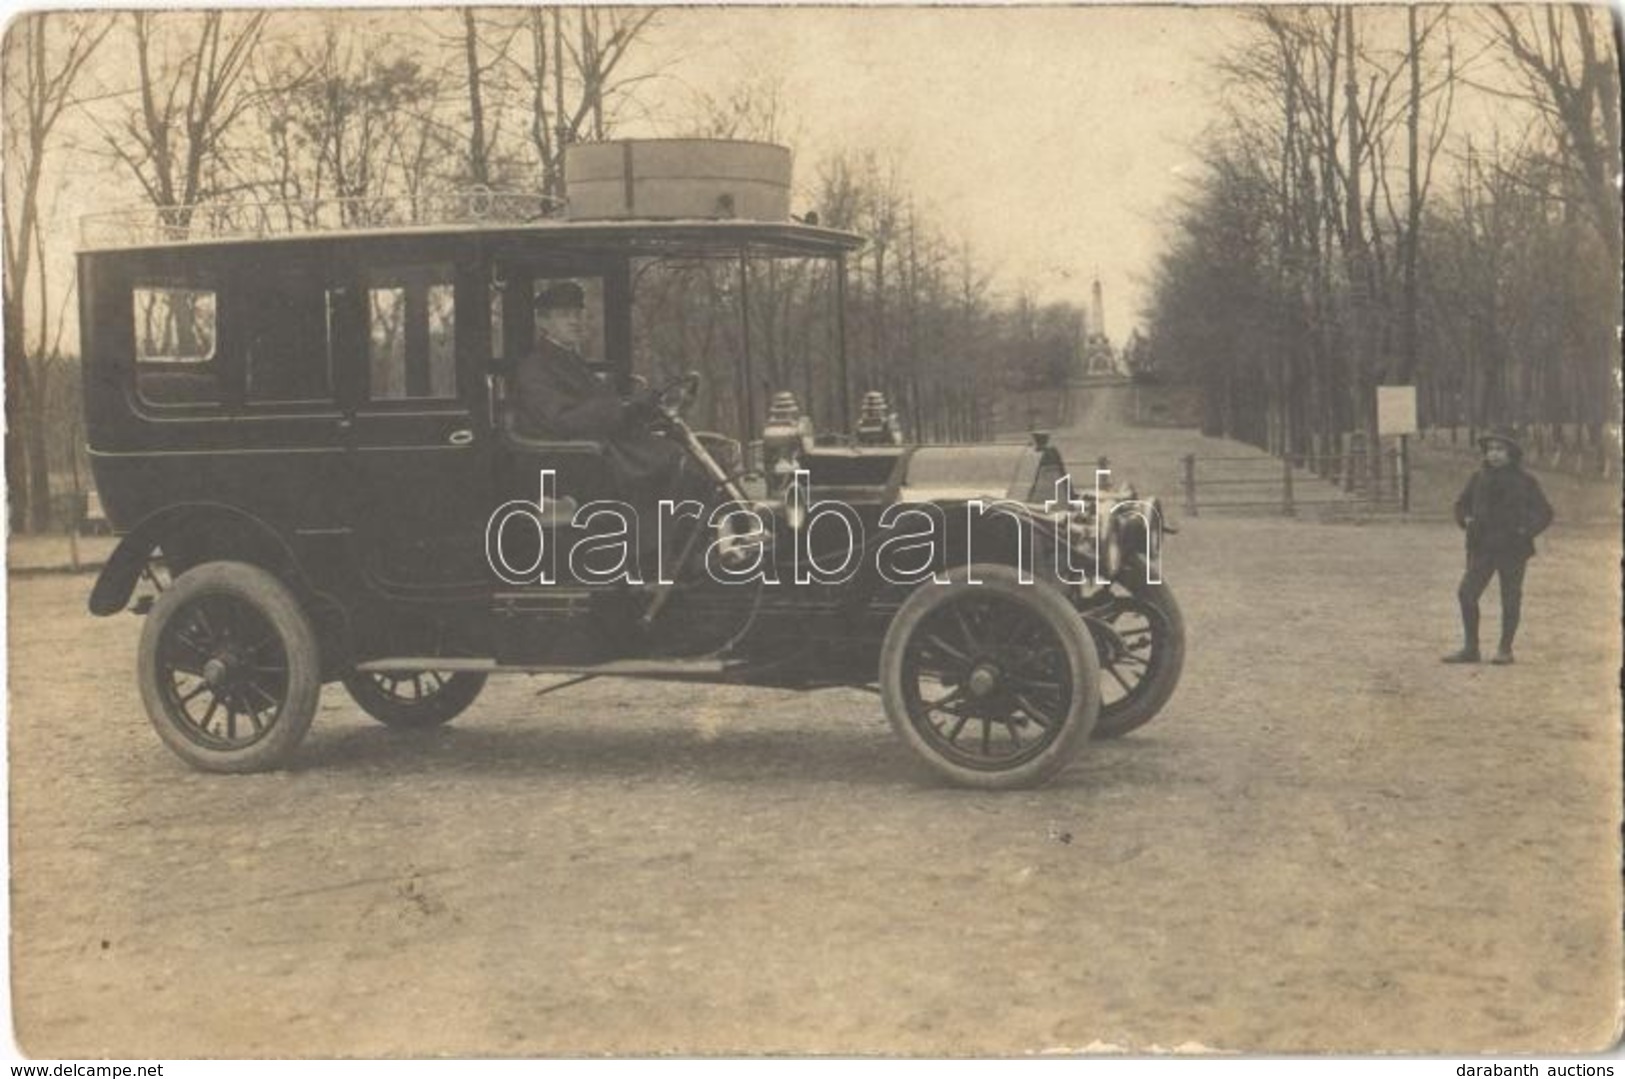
[(460, 437)]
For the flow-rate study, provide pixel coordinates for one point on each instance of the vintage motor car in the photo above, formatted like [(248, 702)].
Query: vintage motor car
[(303, 437)]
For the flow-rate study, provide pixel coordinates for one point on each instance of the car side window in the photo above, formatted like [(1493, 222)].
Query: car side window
[(412, 335), (290, 351), (176, 343), (513, 326)]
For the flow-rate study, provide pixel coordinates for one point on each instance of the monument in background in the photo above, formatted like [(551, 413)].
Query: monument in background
[(1100, 361)]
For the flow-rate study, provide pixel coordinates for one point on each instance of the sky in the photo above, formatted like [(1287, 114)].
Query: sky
[(1054, 140)]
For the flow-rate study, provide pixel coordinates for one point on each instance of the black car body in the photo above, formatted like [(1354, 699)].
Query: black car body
[(302, 440)]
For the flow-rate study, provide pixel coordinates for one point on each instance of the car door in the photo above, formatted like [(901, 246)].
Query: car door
[(417, 340)]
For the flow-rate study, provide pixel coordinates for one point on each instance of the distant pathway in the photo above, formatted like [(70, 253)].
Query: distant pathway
[(1148, 457)]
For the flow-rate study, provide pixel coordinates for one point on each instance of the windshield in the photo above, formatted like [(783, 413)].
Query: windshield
[(751, 327)]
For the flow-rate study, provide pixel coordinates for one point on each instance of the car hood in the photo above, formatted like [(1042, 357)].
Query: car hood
[(1019, 471)]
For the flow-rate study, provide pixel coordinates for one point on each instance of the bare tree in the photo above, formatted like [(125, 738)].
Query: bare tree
[(190, 69), (479, 51), (1573, 83), (352, 124), (1419, 168), (479, 166), (1500, 303), (1569, 77), (749, 108), (1330, 113), (575, 75), (40, 75)]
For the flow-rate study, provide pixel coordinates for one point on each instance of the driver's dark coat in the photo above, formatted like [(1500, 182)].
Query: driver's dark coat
[(556, 395)]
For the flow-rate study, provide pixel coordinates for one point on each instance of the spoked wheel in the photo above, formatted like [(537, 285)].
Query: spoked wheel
[(229, 668), (415, 700), (1140, 641), (993, 684)]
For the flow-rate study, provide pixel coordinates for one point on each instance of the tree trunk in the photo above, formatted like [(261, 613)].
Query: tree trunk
[(39, 465), (1413, 224), (17, 419), (478, 167), (1362, 403), (562, 135)]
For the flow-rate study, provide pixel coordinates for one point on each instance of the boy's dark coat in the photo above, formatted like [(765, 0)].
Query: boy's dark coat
[(1503, 510)]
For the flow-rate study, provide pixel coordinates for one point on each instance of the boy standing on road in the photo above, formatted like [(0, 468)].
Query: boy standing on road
[(1502, 509)]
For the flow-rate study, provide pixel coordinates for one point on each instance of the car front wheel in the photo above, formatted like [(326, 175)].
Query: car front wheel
[(1139, 635), (229, 668), (992, 682)]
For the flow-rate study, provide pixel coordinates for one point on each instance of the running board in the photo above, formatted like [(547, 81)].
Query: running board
[(619, 668)]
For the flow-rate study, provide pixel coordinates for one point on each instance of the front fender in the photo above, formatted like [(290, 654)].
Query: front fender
[(116, 581)]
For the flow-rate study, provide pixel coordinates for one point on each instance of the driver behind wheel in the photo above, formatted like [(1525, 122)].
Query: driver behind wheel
[(559, 396)]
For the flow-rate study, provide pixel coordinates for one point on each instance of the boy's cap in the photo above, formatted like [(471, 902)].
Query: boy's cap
[(1504, 435)]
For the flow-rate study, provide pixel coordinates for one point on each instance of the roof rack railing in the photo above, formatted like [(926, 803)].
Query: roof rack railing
[(241, 220)]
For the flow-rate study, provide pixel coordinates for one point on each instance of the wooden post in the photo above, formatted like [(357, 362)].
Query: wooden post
[(1189, 461), (1287, 508), (73, 532), (1402, 462), (80, 505), (840, 344), (747, 399)]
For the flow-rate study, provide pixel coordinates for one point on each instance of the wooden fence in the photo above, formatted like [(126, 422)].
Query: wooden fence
[(1559, 447), (1256, 484)]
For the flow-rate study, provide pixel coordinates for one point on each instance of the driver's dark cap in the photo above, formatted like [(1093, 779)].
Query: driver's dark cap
[(562, 296)]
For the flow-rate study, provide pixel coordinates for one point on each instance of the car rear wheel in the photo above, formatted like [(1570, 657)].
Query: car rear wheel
[(993, 684), (414, 700), (1139, 636), (229, 668)]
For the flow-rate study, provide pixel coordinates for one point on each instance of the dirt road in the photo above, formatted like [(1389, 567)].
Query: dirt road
[(1327, 841)]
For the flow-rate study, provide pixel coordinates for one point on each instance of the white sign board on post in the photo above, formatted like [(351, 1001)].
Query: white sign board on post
[(1396, 410)]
